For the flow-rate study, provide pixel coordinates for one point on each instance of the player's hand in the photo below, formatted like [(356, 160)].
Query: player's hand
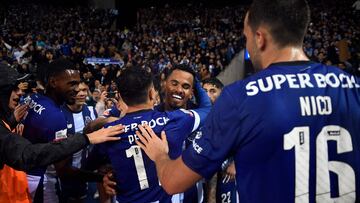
[(109, 184), (23, 86), (20, 111), (106, 134), (230, 173), (19, 129), (153, 146)]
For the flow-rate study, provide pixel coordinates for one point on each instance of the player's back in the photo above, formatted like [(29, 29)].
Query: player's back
[(298, 134), (136, 175)]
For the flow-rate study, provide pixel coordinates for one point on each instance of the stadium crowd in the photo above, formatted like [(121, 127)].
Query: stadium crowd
[(204, 39)]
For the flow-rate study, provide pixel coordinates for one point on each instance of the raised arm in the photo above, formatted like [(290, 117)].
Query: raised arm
[(203, 102)]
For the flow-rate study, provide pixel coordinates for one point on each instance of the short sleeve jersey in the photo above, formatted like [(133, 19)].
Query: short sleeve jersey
[(293, 130), (136, 175), (44, 123)]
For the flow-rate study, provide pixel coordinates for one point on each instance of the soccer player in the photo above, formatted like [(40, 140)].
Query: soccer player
[(135, 173), (179, 88), (292, 127), (221, 187), (73, 180), (18, 152), (46, 122), (213, 88)]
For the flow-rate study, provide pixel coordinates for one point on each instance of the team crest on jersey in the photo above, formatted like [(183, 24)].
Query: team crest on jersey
[(198, 134), (87, 120)]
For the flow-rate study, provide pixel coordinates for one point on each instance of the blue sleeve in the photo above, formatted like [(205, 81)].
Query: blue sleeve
[(204, 103), (217, 138), (182, 123), (53, 127)]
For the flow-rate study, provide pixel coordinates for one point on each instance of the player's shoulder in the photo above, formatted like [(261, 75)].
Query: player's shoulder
[(85, 107), (43, 106), (178, 114), (116, 122), (232, 95)]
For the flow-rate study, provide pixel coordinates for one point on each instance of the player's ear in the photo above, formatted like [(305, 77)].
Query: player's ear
[(152, 94), (192, 93), (52, 82), (261, 36)]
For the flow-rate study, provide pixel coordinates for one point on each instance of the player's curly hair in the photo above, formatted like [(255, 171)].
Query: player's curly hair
[(182, 67)]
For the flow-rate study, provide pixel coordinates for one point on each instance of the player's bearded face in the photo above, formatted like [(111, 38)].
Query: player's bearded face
[(68, 86), (178, 89)]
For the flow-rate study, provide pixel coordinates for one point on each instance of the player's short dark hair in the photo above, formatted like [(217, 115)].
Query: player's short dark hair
[(213, 81), (157, 82), (182, 67), (54, 68), (134, 83), (286, 19)]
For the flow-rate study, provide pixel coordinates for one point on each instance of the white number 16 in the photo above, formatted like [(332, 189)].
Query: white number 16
[(298, 137)]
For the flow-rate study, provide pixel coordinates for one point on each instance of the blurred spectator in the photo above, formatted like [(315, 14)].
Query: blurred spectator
[(206, 39)]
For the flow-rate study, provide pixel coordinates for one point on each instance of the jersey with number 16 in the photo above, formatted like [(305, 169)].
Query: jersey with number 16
[(294, 132)]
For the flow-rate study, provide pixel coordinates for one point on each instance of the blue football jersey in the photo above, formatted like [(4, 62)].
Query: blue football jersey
[(44, 123), (225, 191), (136, 175), (293, 130)]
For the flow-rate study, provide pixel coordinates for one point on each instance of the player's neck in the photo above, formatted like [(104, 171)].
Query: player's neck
[(139, 107), (286, 54), (52, 96), (75, 107), (168, 107)]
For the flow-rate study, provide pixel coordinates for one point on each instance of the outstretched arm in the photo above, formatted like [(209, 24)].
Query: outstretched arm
[(21, 154)]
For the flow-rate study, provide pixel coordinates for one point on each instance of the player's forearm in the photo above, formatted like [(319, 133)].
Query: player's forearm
[(95, 125), (174, 175), (20, 154), (211, 189), (164, 167)]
